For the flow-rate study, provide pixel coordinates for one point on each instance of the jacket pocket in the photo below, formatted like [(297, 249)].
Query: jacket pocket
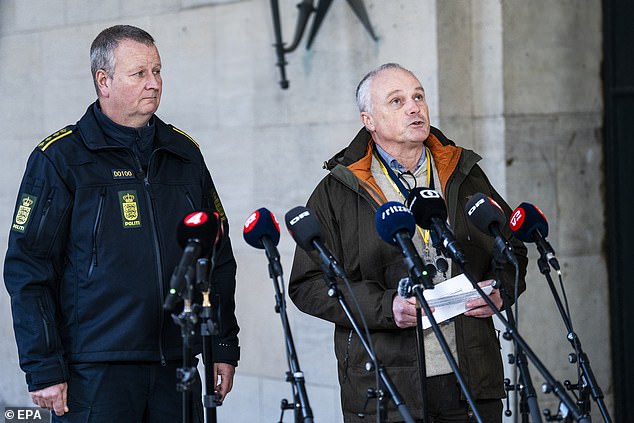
[(95, 233)]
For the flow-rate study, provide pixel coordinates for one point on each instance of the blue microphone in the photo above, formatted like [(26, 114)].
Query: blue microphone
[(396, 225)]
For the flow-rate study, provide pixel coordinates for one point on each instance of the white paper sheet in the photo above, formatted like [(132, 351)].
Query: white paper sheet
[(449, 298)]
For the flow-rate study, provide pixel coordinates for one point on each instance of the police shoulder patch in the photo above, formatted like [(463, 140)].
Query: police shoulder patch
[(56, 136), (175, 129), (26, 204)]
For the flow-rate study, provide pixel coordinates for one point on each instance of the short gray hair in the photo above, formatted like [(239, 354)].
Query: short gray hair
[(103, 47), (363, 89)]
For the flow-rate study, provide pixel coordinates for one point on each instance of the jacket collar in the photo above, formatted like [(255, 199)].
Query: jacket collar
[(357, 158), (94, 139)]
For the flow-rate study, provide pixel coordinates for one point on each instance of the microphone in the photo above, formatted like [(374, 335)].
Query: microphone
[(197, 233), (488, 217), (305, 230), (529, 224), (396, 226), (430, 212), (261, 230)]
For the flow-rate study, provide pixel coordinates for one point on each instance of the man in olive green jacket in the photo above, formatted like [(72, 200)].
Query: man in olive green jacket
[(395, 117)]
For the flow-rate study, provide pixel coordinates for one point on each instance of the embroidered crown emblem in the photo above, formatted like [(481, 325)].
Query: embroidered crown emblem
[(128, 198), (27, 202)]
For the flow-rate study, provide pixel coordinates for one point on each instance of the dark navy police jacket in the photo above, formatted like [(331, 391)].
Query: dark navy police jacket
[(92, 248)]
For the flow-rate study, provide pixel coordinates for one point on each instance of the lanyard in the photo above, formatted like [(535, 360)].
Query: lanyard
[(400, 188)]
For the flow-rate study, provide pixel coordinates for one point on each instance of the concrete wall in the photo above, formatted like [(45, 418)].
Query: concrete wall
[(517, 81)]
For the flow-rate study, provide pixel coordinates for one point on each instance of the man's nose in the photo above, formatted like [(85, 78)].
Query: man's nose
[(153, 81), (412, 107)]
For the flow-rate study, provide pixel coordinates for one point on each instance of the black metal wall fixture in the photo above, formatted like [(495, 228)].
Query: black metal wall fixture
[(306, 8)]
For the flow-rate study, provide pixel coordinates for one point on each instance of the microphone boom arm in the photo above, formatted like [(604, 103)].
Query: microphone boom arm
[(556, 386)]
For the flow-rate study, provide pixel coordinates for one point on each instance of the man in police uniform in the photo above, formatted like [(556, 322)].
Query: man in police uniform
[(93, 244)]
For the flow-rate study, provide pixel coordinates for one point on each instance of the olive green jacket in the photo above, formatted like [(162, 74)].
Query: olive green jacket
[(345, 203)]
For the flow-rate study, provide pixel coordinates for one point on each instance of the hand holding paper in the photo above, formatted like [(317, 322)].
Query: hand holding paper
[(450, 298)]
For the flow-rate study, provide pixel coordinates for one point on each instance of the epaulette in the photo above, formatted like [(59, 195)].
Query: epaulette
[(185, 135), (56, 136)]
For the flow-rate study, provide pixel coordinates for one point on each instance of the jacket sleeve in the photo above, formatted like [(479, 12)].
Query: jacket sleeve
[(226, 347), (340, 219), (32, 269)]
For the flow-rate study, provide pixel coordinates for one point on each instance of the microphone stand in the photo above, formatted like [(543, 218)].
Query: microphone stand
[(301, 405), (192, 315), (422, 369), (528, 395), (556, 386), (418, 291), (392, 392), (208, 328), (587, 385), (187, 320)]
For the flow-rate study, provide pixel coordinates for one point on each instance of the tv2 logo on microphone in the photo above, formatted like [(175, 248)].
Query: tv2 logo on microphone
[(517, 219)]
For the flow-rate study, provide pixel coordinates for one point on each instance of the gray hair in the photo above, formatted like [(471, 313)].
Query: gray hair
[(363, 89), (103, 47)]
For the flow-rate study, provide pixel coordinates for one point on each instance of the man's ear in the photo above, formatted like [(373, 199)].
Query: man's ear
[(367, 120), (103, 83)]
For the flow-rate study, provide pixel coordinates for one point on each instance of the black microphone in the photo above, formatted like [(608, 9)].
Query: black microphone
[(396, 226), (529, 224), (488, 217), (261, 230), (305, 230), (430, 212), (197, 233)]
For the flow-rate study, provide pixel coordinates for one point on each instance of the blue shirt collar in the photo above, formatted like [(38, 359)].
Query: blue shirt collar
[(394, 164)]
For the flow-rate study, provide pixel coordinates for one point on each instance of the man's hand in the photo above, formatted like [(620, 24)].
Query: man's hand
[(404, 311), (479, 307), (52, 398), (223, 376)]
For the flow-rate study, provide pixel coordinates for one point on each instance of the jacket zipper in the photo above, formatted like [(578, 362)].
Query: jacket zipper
[(95, 232), (157, 252), (45, 210), (46, 323), (346, 358), (190, 200)]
